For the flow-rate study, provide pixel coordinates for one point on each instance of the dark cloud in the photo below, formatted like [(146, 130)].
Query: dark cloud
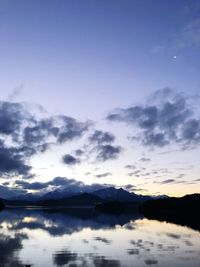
[(12, 161), (130, 187), (168, 118), (107, 152), (100, 144), (100, 137), (57, 187), (70, 128), (22, 135), (30, 186), (70, 160), (78, 152), (99, 147), (60, 128), (11, 118), (103, 175), (7, 192)]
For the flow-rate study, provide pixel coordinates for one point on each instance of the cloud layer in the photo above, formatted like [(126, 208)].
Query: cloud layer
[(23, 135), (168, 119)]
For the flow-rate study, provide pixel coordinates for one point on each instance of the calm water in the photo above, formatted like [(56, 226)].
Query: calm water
[(85, 238)]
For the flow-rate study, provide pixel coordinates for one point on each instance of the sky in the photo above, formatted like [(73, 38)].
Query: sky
[(100, 92)]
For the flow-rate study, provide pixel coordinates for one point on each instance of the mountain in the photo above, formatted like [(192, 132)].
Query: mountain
[(111, 194), (65, 197), (114, 194)]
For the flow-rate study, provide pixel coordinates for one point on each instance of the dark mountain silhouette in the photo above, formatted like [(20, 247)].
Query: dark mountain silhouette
[(183, 211), (114, 194), (87, 198)]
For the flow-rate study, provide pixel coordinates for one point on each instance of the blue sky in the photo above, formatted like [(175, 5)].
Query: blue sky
[(85, 59)]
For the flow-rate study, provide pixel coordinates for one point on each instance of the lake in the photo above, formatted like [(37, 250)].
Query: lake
[(83, 237)]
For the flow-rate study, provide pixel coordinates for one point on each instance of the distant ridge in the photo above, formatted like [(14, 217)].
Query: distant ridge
[(114, 194), (79, 199)]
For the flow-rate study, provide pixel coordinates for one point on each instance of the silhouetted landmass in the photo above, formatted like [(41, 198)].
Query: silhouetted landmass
[(84, 199), (59, 199), (183, 211), (1, 205), (117, 207), (110, 207), (107, 194), (119, 194)]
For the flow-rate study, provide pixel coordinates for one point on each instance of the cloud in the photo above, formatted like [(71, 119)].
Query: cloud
[(107, 152), (79, 152), (100, 137), (169, 181), (136, 173), (58, 187), (61, 128), (70, 160), (6, 192), (167, 118), (98, 147), (12, 162), (145, 159), (102, 239), (30, 186), (16, 92), (70, 128), (130, 167), (11, 118), (130, 187), (102, 175), (23, 135)]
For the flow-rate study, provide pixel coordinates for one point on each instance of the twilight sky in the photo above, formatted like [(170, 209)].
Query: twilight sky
[(100, 92)]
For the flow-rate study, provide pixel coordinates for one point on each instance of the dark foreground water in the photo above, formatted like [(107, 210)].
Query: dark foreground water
[(86, 238)]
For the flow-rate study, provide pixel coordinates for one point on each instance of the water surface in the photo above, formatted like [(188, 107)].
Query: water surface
[(86, 238)]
